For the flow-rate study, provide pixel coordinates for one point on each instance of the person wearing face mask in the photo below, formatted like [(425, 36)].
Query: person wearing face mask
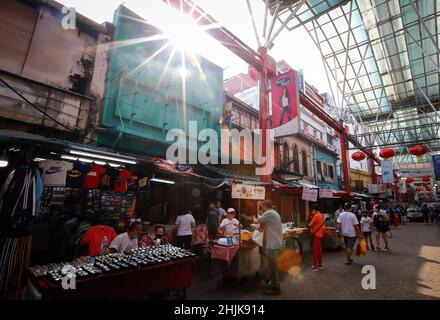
[(128, 240), (160, 235)]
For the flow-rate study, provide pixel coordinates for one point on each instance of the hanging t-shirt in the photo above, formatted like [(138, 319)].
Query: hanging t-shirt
[(55, 172), (94, 237), (92, 178), (75, 177), (120, 184)]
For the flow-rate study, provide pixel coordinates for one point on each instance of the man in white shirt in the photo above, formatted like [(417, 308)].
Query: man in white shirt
[(230, 225), (128, 240), (348, 227), (270, 222)]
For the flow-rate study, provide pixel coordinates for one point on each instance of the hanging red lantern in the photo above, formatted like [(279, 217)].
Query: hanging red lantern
[(386, 153), (428, 188), (426, 179), (418, 189), (409, 180), (358, 156), (418, 150)]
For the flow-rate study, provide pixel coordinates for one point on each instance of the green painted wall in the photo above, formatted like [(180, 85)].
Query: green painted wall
[(145, 97)]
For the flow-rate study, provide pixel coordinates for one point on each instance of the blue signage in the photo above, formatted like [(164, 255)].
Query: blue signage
[(436, 163), (301, 83)]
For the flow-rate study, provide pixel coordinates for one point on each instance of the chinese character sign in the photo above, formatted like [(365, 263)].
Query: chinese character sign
[(244, 191)]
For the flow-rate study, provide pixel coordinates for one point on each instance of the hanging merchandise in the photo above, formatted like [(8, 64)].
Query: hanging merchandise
[(428, 188), (418, 150), (409, 180), (358, 156), (18, 198), (426, 179), (55, 172), (75, 177), (386, 153), (92, 179), (120, 184), (15, 254)]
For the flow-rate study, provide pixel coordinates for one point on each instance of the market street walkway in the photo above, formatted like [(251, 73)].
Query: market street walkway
[(411, 270)]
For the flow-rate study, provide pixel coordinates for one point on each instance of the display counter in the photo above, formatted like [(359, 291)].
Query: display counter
[(133, 283)]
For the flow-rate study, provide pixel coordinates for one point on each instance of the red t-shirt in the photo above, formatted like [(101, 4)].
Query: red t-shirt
[(317, 225), (91, 181), (94, 236), (120, 184)]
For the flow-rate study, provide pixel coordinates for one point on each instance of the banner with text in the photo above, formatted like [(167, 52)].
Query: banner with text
[(436, 163), (310, 194), (244, 191), (326, 193), (387, 171)]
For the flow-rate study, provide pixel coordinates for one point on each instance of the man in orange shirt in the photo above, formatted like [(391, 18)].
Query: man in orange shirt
[(317, 231)]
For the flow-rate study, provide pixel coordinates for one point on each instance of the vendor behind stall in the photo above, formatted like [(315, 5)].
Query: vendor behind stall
[(128, 240), (230, 225)]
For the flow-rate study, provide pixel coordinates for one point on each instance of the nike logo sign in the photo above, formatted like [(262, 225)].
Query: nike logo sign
[(53, 170)]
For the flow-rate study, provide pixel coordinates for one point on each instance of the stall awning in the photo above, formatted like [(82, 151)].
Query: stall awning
[(231, 176), (309, 186), (360, 195)]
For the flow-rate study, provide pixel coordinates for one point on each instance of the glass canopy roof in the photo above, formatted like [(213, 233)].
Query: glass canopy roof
[(384, 57)]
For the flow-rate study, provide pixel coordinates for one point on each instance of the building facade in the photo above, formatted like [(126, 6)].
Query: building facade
[(61, 72)]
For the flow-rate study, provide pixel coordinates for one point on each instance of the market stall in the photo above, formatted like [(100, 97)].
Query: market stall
[(125, 276)]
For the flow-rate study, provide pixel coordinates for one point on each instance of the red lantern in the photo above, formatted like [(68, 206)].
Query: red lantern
[(409, 180), (358, 156), (426, 179), (418, 189), (418, 150), (428, 188), (386, 153)]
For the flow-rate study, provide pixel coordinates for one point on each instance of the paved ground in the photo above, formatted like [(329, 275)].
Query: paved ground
[(411, 270)]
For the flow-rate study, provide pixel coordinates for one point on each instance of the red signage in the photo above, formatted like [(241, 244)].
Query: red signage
[(285, 102)]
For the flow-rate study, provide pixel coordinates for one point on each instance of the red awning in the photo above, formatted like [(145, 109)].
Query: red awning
[(342, 194)]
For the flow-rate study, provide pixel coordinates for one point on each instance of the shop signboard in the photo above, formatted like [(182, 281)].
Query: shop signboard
[(387, 171), (245, 191), (301, 82), (326, 193), (436, 164), (310, 194), (285, 104)]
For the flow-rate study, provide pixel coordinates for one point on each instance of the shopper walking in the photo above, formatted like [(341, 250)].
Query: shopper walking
[(272, 244), (348, 227), (425, 212), (367, 224), (317, 231), (184, 224), (382, 224)]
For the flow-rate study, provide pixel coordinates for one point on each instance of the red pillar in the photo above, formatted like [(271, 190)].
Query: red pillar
[(264, 107), (373, 171), (345, 173)]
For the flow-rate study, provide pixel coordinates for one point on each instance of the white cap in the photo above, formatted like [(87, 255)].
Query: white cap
[(231, 210)]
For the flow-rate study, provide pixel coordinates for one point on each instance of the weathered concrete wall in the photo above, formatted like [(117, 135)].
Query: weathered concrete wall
[(34, 46)]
